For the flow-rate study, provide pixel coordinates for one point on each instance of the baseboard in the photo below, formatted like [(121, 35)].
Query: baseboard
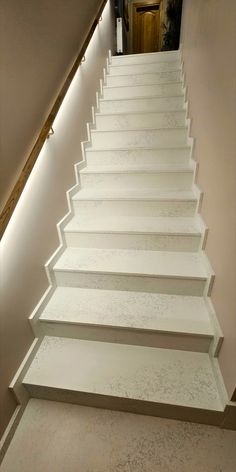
[(10, 430)]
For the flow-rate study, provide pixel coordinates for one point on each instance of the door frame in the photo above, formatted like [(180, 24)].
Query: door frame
[(143, 3)]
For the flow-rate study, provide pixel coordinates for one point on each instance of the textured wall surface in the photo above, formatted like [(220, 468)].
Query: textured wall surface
[(31, 236), (209, 52)]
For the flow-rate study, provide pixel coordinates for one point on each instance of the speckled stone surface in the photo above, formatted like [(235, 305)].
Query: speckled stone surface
[(177, 264), (134, 224), (141, 79), (58, 437), (123, 371), (129, 309), (142, 104)]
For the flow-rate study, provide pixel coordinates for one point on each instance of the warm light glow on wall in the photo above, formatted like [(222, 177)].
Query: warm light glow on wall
[(61, 126)]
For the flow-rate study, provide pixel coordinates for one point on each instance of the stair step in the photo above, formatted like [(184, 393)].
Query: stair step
[(144, 202), (142, 104), (138, 157), (143, 79), (147, 319), (146, 58), (113, 121), (172, 178), (133, 378), (133, 91), (151, 67), (169, 234), (121, 269), (142, 138)]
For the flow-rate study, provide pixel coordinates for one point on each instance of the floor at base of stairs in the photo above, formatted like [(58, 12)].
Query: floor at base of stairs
[(72, 438)]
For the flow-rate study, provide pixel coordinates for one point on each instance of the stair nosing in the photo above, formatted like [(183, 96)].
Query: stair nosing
[(108, 231), (177, 82), (141, 97), (143, 112), (146, 73), (127, 328), (136, 171), (149, 199), (145, 63), (175, 51), (138, 129), (130, 274), (93, 149)]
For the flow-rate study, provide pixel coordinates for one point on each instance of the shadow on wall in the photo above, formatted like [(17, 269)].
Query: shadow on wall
[(172, 25)]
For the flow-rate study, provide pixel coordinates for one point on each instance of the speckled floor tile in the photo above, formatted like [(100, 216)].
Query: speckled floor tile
[(58, 437), (123, 371)]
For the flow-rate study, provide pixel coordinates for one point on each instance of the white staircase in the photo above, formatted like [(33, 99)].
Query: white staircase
[(127, 322)]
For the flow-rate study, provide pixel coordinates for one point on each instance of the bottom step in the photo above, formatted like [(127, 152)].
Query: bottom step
[(57, 437), (152, 381)]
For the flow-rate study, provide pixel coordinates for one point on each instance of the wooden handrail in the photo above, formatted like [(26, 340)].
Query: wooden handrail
[(19, 186)]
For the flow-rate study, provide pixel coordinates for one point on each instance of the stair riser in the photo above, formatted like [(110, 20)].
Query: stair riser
[(163, 90), (138, 157), (144, 68), (135, 105), (141, 138), (125, 404), (154, 242), (143, 79), (141, 121), (161, 180), (116, 334), (110, 281), (96, 208), (146, 58)]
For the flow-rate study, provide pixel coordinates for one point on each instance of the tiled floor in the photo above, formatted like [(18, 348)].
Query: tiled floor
[(59, 437)]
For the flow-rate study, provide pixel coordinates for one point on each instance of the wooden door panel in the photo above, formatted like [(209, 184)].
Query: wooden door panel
[(146, 28)]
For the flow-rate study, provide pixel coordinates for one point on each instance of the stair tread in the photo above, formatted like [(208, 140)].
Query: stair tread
[(132, 262), (133, 194), (166, 225), (151, 112), (158, 54), (93, 169), (183, 147), (125, 371), (136, 310), (168, 130), (179, 82), (141, 97)]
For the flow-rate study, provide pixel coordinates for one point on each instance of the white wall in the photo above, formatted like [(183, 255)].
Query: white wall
[(209, 52), (31, 236)]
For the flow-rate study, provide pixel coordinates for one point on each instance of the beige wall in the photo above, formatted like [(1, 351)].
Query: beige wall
[(209, 52), (38, 42), (31, 236)]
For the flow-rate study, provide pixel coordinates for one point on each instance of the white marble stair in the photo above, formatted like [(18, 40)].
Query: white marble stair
[(152, 157), (111, 121), (133, 91), (151, 233), (146, 58), (143, 79), (129, 202), (136, 177), (117, 68), (141, 138), (127, 323), (142, 104), (147, 319), (155, 381), (122, 269)]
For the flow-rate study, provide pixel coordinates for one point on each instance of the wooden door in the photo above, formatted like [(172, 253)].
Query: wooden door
[(146, 26)]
